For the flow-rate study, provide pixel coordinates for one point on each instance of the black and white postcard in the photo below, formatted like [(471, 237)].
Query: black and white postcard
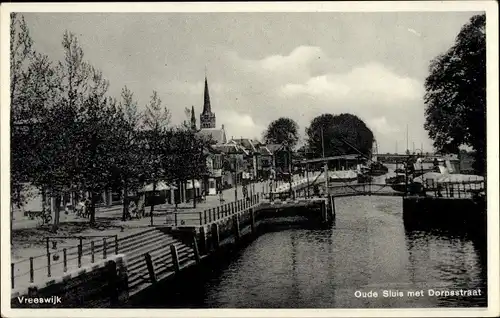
[(272, 159)]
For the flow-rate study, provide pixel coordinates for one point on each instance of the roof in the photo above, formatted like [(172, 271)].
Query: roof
[(231, 148), (275, 147), (263, 150), (218, 134), (250, 144)]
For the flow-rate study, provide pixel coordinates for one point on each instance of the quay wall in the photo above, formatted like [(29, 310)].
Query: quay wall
[(461, 214), (104, 284), (218, 243)]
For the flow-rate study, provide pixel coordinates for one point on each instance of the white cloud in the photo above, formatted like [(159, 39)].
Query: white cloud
[(248, 94), (367, 82), (414, 32), (239, 125), (380, 126)]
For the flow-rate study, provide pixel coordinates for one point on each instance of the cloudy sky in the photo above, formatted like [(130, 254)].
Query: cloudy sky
[(262, 66)]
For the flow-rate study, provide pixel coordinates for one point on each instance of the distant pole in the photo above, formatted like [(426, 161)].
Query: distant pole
[(325, 162), (407, 137), (235, 179), (322, 143), (290, 167)]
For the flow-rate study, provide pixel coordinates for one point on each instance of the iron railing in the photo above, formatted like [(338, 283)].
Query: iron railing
[(59, 260)]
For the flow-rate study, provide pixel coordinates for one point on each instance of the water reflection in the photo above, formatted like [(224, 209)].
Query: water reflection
[(366, 250)]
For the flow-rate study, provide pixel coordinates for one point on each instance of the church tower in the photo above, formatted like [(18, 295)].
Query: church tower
[(193, 119), (207, 118)]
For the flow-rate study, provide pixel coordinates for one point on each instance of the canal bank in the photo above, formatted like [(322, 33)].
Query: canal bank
[(220, 241), (367, 248), (185, 257)]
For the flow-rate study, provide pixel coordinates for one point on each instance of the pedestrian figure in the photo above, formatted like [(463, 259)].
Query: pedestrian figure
[(221, 196), (132, 209), (81, 208), (245, 192)]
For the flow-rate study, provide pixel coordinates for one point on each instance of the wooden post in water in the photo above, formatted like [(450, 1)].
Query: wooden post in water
[(65, 260), (195, 248), (237, 232), (215, 236), (252, 220), (112, 277), (175, 258), (324, 216), (332, 203), (149, 265), (203, 241)]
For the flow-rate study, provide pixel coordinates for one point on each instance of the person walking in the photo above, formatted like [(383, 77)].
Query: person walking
[(245, 191)]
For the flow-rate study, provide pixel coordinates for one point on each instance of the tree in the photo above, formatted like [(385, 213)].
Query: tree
[(455, 96), (187, 153), (282, 131), (129, 163), (156, 121), (56, 168), (20, 53), (95, 144), (339, 135)]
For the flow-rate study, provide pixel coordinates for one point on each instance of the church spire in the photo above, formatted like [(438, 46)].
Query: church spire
[(207, 118), (206, 105), (193, 119)]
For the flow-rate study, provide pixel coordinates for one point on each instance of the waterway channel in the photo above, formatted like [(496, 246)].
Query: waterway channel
[(366, 250)]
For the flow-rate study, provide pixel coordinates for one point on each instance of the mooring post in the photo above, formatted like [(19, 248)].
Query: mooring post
[(112, 276), (203, 240), (80, 255), (332, 200), (32, 271), (104, 248), (12, 275), (195, 248), (215, 236), (237, 226), (65, 260), (48, 265), (92, 256), (252, 220), (323, 211), (149, 265), (116, 245), (175, 258)]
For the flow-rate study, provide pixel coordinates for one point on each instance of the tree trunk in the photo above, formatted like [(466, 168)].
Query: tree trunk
[(125, 200), (92, 207), (194, 194), (57, 211), (153, 201), (178, 196)]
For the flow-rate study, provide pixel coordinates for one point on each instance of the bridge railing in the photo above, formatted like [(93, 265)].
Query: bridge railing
[(459, 189), (214, 214)]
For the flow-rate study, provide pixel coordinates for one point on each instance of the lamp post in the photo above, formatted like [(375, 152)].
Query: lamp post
[(235, 178)]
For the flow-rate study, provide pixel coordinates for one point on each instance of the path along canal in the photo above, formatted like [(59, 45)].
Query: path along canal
[(366, 249)]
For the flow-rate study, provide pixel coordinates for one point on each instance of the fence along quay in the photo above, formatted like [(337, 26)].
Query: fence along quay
[(159, 254)]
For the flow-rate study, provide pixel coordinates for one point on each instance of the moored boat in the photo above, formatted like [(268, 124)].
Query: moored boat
[(343, 176)]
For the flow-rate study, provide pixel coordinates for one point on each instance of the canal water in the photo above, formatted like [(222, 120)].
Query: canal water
[(365, 260)]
